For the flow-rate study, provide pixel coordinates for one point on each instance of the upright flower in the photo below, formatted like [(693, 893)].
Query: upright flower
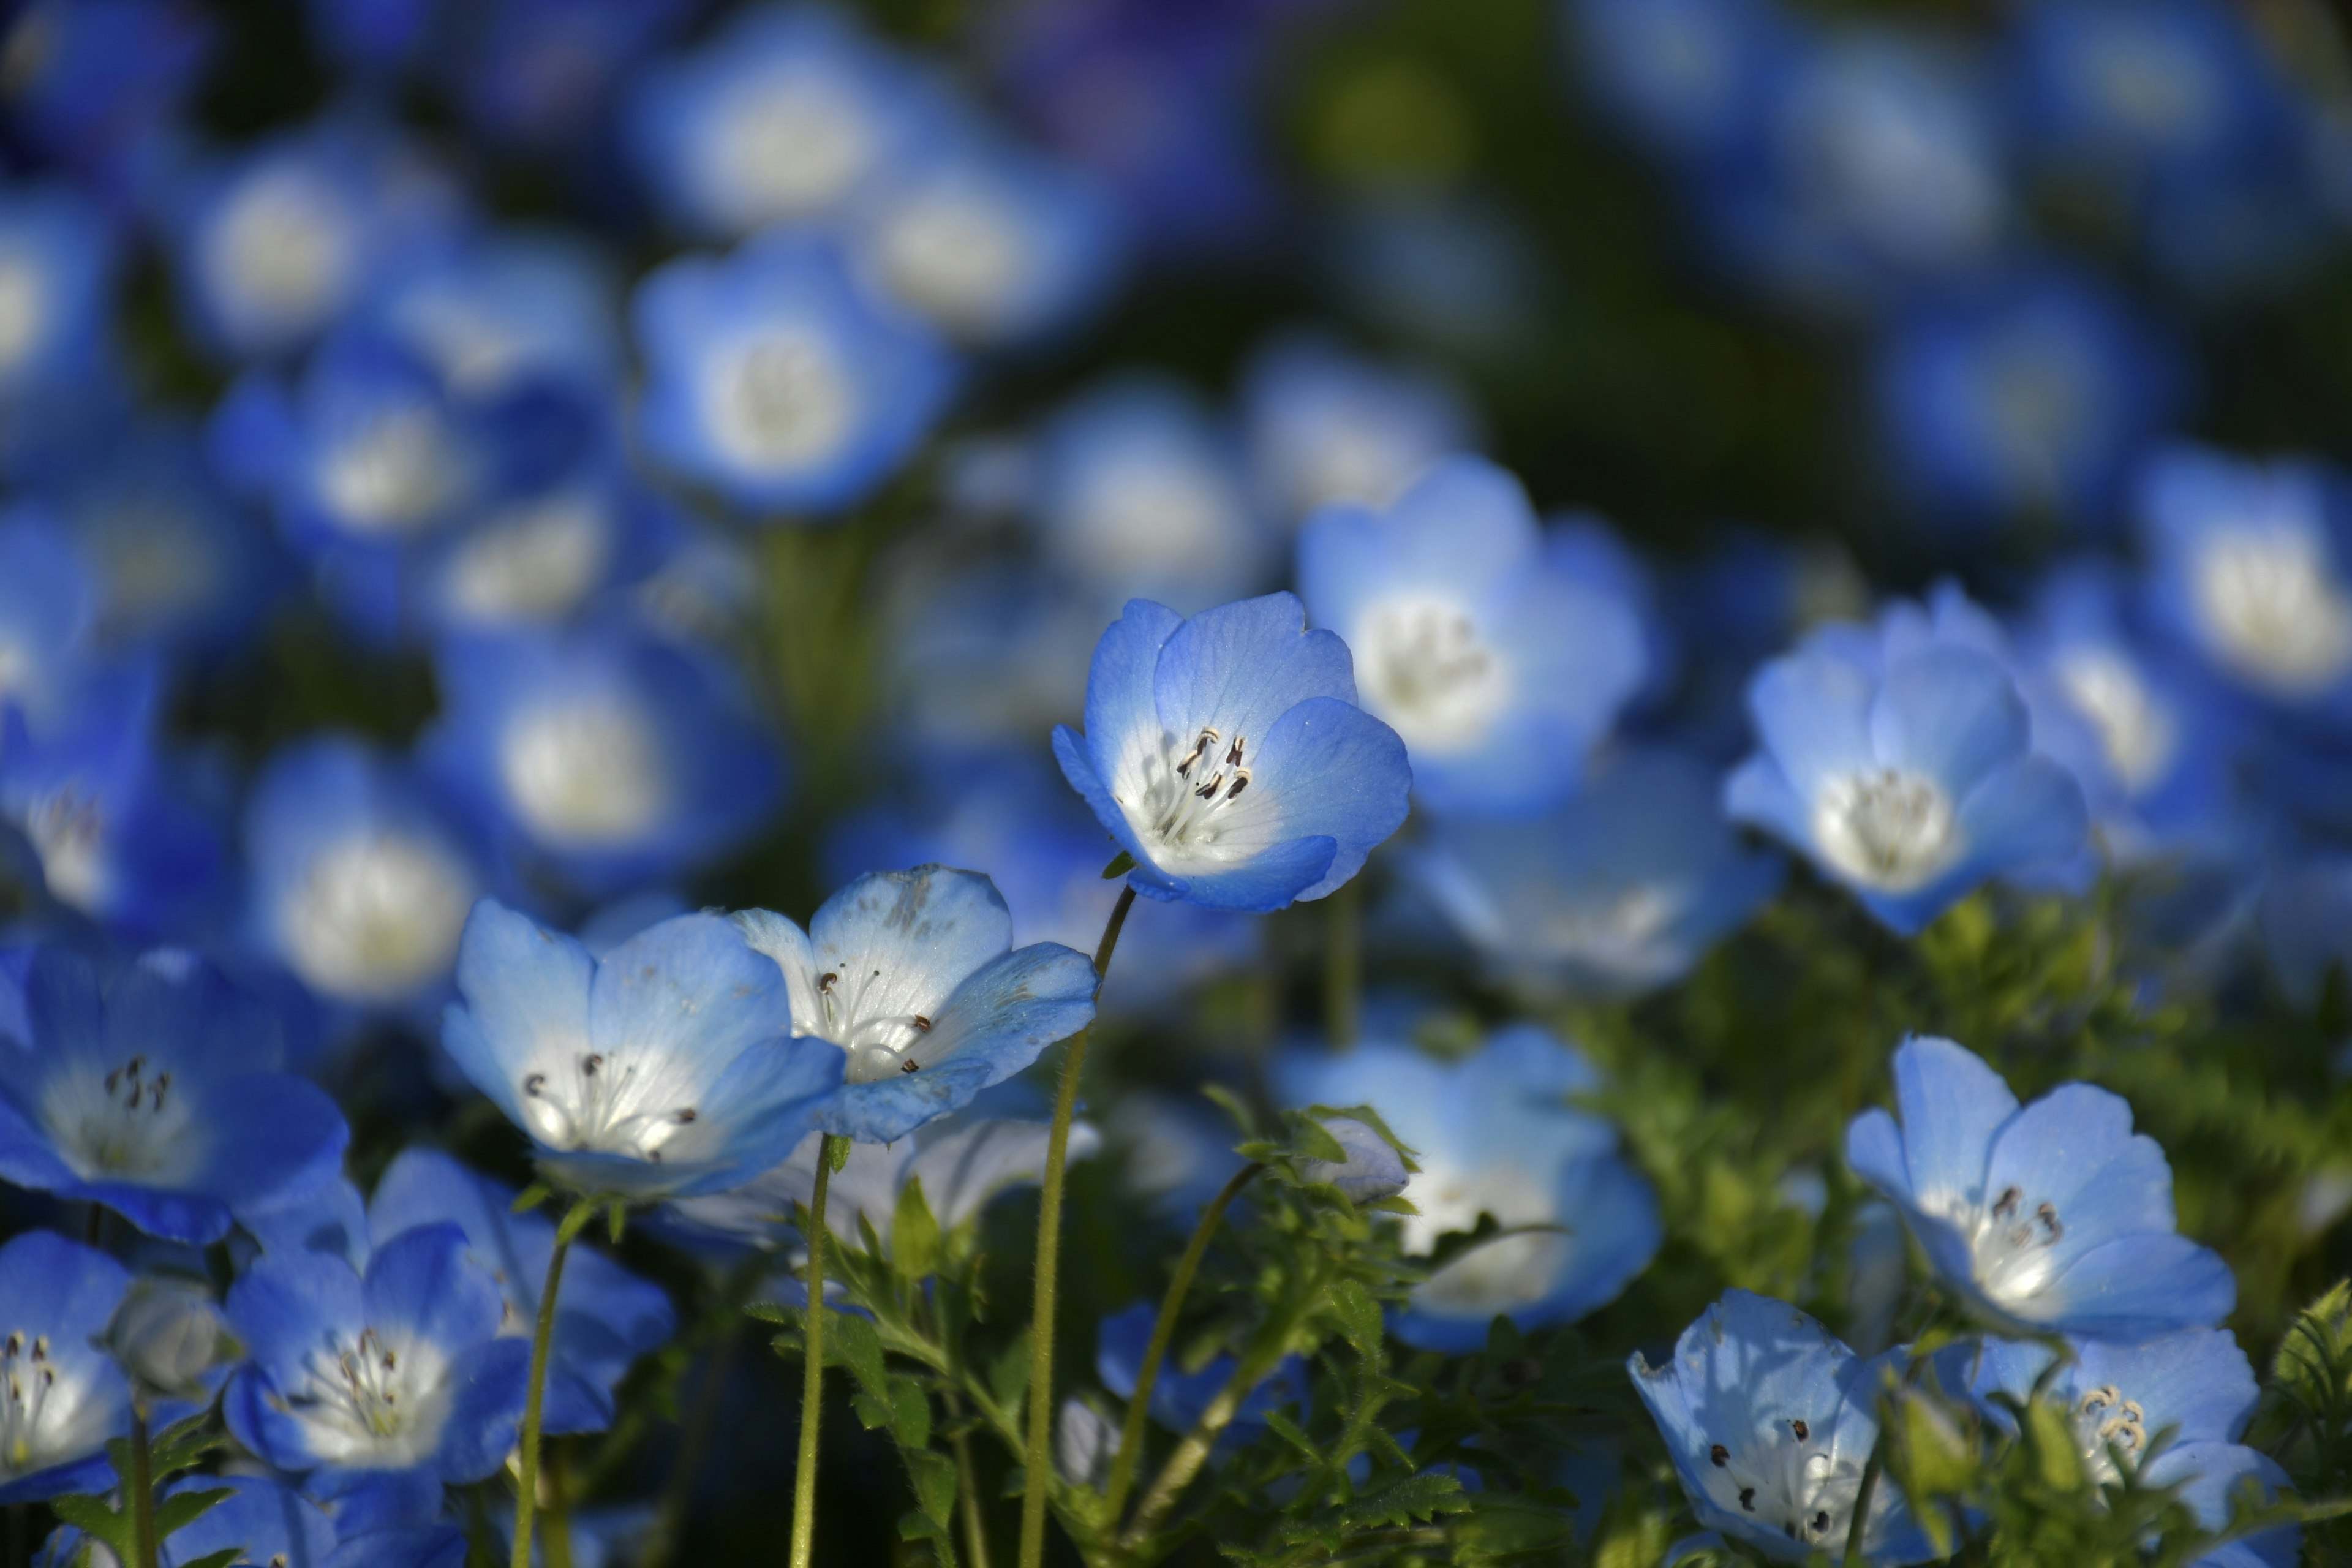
[(666, 1070), (1227, 754), (1772, 1423), (914, 974), (158, 1095), (2053, 1218), (61, 1396)]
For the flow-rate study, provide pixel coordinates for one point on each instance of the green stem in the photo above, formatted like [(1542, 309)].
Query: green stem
[(535, 1400), (142, 1486), (976, 1528), (1038, 1452), (1343, 964), (1163, 1329), (556, 1542), (813, 1362)]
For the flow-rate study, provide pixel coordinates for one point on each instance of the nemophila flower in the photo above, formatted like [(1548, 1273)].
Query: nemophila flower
[(2250, 567), (158, 1094), (1137, 490), (606, 1317), (602, 751), (508, 307), (982, 654), (1495, 1135), (548, 555), (914, 976), (397, 1376), (1500, 674), (1902, 770), (1370, 1171), (1620, 890), (783, 115), (777, 380), (2118, 1399), (664, 1069), (58, 263), (1587, 548), (2053, 1218), (1225, 753), (1772, 1423), (1324, 424), (1748, 597), (1687, 79), (358, 881), (61, 1396), (2033, 395)]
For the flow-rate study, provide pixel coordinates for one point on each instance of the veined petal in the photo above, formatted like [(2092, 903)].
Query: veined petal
[(1239, 668)]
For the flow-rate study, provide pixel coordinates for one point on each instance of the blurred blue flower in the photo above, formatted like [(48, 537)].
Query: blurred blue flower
[(2306, 918), (982, 653), (508, 307), (1370, 1171), (541, 75), (548, 556), (394, 1377), (50, 659), (158, 1093), (2053, 1218), (1687, 79), (664, 1069), (1902, 770), (61, 1396), (95, 83), (606, 1317), (773, 377), (1587, 549), (1494, 1134), (914, 976), (1324, 424), (2033, 397), (1772, 1423), (604, 752), (1500, 674), (58, 258), (359, 883), (1227, 755), (1620, 890)]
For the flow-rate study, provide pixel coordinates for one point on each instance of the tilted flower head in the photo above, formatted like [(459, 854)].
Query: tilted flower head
[(1225, 753), (159, 1096), (1771, 1421), (61, 1397), (915, 975), (667, 1068), (1906, 774), (1500, 671), (2053, 1218)]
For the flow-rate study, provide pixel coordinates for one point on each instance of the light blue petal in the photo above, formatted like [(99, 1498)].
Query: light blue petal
[(1758, 794), (1330, 769), (2198, 1381), (1122, 718), (425, 1282), (1271, 880), (1239, 668), (2134, 1288), (902, 942), (1015, 1007), (1950, 713), (1813, 713), (2074, 1149), (1952, 1104), (2023, 813), (523, 984), (488, 1387), (684, 999), (274, 1135)]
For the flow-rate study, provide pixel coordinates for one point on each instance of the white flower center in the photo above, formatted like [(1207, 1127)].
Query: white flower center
[(1427, 671), (23, 311), (1786, 1477), (585, 772), (2270, 601), (535, 564), (787, 147), (1617, 924), (781, 402), (155, 564), (880, 1044), (1188, 796), (44, 1420), (1500, 1275), (576, 1098), (2039, 399), (1150, 513), (2012, 1241), (375, 917), (284, 243), (69, 832), (954, 253), (1890, 830), (1347, 458), (1904, 166), (394, 475), (123, 1124), (2135, 732), (371, 1402)]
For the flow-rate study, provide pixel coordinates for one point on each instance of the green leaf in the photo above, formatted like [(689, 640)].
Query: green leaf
[(1121, 866), (910, 1414), (1359, 1318), (616, 1217), (531, 1197), (914, 1234), (1310, 1140), (774, 1312), (1408, 1501), (836, 1149), (934, 1479), (95, 1519), (1284, 1428), (850, 1342), (176, 1512), (1008, 1375)]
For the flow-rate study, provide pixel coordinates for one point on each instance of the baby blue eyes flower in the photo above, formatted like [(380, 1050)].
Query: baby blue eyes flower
[(1499, 672), (61, 1397), (158, 1095), (1324, 425), (1772, 1423), (914, 976), (666, 1070), (2053, 1218), (1906, 773), (398, 1374), (773, 378), (1227, 755)]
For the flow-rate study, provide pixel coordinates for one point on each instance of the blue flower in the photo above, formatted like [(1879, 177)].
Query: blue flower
[(1499, 673), (664, 1069), (914, 974), (57, 265), (1688, 79), (1900, 765), (2195, 1384), (1225, 753), (2053, 1218), (397, 1378), (775, 379), (1619, 891), (1324, 424), (101, 81), (508, 307), (606, 1317), (61, 1396), (1770, 1421), (359, 883), (49, 659), (602, 752), (1494, 1134), (158, 1095), (787, 114)]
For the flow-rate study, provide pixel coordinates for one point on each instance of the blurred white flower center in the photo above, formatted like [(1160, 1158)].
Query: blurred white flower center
[(1426, 671), (2135, 732), (1190, 796), (536, 562), (782, 402), (23, 311), (788, 146), (2270, 601), (394, 475), (1890, 830), (68, 834), (2154, 86), (1344, 457), (1146, 512), (1496, 1276), (956, 254), (1613, 923), (283, 243), (376, 917), (585, 772)]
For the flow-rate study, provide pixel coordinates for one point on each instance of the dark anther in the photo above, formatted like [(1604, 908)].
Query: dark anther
[(1800, 1429), (1720, 1455), (1241, 783), (923, 1025), (1234, 757), (910, 1065), (685, 1117), (825, 982), (534, 1083), (1748, 1499), (1820, 1521), (2007, 1206), (2048, 1215), (590, 1063)]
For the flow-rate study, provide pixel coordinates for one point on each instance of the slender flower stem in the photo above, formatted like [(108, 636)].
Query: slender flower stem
[(1038, 1455), (1163, 1329), (140, 1484), (812, 1362), (1343, 964), (534, 1402)]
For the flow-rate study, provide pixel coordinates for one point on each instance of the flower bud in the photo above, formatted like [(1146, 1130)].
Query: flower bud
[(1085, 1444), (167, 1335), (1373, 1170)]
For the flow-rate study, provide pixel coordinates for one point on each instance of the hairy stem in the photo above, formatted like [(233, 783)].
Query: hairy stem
[(975, 1527), (813, 1362), (535, 1400), (1038, 1452)]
